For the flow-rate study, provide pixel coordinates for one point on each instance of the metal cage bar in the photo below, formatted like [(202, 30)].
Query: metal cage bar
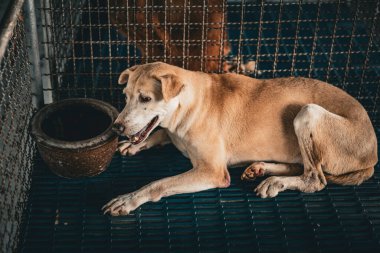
[(320, 39)]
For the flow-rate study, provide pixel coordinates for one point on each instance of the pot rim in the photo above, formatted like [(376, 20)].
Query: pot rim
[(43, 139)]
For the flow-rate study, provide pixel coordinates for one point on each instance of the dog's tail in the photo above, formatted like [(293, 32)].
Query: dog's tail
[(352, 178)]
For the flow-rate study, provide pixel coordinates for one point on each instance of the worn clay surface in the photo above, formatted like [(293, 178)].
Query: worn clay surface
[(75, 137), (71, 163)]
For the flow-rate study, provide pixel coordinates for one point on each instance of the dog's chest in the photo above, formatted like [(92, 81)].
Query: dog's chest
[(178, 143)]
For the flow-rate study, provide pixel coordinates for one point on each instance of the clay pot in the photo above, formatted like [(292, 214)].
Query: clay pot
[(75, 137)]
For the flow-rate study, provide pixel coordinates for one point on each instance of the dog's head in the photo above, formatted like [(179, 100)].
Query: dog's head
[(150, 97)]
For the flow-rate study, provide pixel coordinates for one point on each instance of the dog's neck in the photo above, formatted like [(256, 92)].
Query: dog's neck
[(184, 108)]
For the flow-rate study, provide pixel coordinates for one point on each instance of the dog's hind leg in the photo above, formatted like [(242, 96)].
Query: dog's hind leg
[(306, 125), (352, 178), (328, 143), (260, 169)]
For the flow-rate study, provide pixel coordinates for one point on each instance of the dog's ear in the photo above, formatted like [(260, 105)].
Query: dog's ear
[(171, 86), (123, 78)]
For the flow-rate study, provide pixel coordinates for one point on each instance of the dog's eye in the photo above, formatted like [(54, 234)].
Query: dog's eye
[(144, 99)]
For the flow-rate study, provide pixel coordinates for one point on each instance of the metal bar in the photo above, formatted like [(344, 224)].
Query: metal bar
[(109, 49), (184, 35), (83, 65), (165, 31), (315, 38), (100, 48), (31, 23), (206, 30), (128, 36), (188, 31), (263, 70), (134, 30), (258, 51), (153, 28), (222, 34), (196, 42), (73, 51), (333, 42), (375, 108), (353, 30), (119, 101), (170, 31), (277, 39), (91, 53), (296, 39), (370, 44), (203, 34), (215, 23), (240, 35), (212, 56), (46, 55), (162, 7), (146, 33), (8, 24)]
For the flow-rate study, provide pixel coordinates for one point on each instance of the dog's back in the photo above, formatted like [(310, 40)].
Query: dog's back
[(265, 110)]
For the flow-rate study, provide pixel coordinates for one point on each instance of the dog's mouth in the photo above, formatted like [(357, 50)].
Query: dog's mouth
[(144, 132)]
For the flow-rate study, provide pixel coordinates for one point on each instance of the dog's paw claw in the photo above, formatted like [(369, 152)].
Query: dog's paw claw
[(121, 205), (255, 170)]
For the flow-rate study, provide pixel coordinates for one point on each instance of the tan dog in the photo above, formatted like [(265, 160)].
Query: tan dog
[(314, 131), (188, 34), (193, 37)]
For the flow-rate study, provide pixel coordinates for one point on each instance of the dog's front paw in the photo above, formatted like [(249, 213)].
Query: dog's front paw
[(270, 187), (126, 148), (122, 205), (256, 169)]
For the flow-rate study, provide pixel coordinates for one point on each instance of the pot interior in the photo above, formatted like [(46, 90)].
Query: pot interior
[(75, 122)]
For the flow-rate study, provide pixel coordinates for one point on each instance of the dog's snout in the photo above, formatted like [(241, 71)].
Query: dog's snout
[(118, 127)]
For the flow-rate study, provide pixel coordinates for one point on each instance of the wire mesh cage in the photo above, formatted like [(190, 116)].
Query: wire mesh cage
[(84, 45), (92, 42), (16, 146)]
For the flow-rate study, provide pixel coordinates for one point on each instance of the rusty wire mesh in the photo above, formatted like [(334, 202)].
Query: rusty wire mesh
[(16, 146), (91, 42)]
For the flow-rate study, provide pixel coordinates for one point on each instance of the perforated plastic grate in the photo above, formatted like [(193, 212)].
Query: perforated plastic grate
[(64, 215)]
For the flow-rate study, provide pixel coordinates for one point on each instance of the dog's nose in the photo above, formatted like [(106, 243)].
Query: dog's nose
[(118, 128)]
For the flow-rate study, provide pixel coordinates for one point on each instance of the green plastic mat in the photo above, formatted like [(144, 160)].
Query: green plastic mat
[(64, 215)]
